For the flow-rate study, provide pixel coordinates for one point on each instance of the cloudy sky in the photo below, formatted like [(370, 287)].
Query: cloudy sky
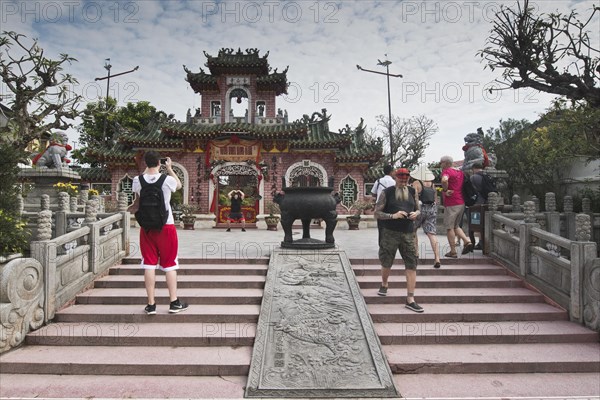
[(433, 44)]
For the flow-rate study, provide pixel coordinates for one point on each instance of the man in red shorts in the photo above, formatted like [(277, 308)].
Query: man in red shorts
[(159, 246)]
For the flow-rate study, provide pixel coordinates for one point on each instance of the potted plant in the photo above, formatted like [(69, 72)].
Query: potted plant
[(272, 220), (359, 206), (187, 216)]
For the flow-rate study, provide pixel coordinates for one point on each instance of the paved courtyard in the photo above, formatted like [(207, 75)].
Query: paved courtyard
[(214, 243)]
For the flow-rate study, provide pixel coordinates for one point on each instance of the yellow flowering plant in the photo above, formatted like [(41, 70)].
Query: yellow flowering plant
[(93, 192), (68, 188)]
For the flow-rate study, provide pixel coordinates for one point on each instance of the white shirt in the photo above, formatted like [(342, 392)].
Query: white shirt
[(169, 186), (381, 184)]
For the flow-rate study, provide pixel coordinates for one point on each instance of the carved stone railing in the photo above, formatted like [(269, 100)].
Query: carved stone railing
[(565, 270), (32, 289)]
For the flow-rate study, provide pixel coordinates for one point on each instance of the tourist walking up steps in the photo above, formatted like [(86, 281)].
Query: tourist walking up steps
[(397, 208), (158, 236), (454, 206), (423, 184), (386, 181)]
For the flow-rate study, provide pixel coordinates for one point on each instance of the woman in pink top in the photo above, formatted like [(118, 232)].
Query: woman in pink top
[(452, 181)]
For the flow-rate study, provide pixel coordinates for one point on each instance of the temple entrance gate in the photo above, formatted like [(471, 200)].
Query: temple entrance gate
[(236, 177)]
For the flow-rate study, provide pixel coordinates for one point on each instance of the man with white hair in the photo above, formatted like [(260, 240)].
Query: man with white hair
[(454, 206)]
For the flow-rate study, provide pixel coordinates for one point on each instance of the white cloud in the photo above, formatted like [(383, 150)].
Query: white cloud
[(433, 44)]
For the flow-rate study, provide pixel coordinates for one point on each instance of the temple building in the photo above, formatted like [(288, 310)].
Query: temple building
[(239, 139)]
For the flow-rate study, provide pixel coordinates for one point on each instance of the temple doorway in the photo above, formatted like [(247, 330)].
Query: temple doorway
[(237, 177)]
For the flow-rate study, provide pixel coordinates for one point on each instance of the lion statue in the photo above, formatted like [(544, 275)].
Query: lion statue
[(54, 155), (474, 151)]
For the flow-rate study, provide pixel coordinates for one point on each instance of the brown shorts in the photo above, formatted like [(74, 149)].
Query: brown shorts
[(453, 215)]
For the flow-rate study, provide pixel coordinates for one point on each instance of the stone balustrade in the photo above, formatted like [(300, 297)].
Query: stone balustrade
[(566, 269), (32, 289)]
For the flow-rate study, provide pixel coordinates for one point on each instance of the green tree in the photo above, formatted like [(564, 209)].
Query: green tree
[(535, 155), (551, 53), (507, 129), (103, 122), (41, 98)]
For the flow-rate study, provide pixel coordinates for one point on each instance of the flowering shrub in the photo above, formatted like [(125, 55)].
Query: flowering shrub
[(69, 188), (93, 192)]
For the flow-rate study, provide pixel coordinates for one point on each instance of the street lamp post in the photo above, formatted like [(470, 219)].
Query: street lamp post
[(386, 64), (107, 67)]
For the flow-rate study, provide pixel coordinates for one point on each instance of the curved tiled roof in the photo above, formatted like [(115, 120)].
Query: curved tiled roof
[(117, 154), (201, 81), (294, 130), (277, 82), (309, 134), (228, 62), (95, 174)]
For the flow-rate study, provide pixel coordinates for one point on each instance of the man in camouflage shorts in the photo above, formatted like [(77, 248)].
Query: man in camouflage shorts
[(397, 208)]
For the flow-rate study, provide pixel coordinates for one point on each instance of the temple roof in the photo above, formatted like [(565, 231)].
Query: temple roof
[(308, 134), (293, 130), (230, 63), (94, 174)]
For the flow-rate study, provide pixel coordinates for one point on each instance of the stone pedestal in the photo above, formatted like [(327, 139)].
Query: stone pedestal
[(43, 180)]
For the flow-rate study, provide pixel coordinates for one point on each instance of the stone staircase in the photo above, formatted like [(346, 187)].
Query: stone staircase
[(483, 334)]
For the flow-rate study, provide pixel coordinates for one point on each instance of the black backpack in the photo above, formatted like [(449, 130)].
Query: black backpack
[(468, 191), (152, 213), (488, 184)]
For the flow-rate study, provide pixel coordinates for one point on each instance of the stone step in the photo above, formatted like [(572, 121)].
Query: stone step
[(231, 258), (134, 314), (226, 360), (244, 313), (481, 312), (189, 295), (195, 296), (530, 386), (430, 333), (258, 281), (242, 334), (494, 358), (455, 295), (184, 281), (443, 281), (359, 269), (198, 269), (144, 334), (128, 360), (425, 270), (411, 386)]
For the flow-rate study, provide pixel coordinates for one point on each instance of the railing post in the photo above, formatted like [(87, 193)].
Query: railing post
[(525, 237), (488, 226), (585, 274), (125, 224), (45, 253), (569, 218), (91, 210), (552, 217)]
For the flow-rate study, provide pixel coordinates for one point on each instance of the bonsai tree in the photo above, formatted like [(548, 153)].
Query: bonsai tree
[(272, 208), (359, 207), (188, 210)]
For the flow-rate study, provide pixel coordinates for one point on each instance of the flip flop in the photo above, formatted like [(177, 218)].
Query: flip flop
[(468, 248), (451, 255)]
